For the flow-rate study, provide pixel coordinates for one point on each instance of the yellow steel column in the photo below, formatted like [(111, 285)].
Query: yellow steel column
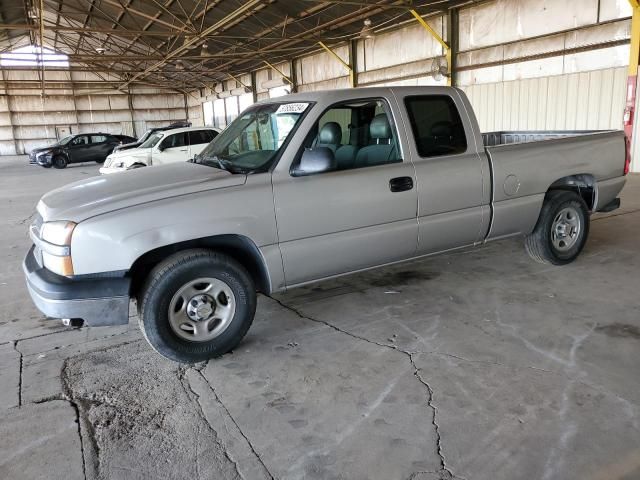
[(632, 78), (447, 48), (277, 70), (352, 78)]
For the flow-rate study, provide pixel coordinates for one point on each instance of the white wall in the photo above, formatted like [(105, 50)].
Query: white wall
[(578, 101)]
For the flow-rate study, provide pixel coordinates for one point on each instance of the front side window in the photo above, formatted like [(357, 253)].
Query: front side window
[(174, 141), (254, 139), (152, 141), (436, 125), (357, 134), (82, 140)]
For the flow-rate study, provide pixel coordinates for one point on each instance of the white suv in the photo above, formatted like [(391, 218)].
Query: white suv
[(169, 146)]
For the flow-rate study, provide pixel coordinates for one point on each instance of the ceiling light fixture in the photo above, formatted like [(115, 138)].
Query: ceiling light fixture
[(367, 31)]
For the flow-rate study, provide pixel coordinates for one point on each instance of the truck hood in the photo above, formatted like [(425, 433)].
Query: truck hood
[(98, 195)]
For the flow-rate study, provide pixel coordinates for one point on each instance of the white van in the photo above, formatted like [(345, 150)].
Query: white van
[(169, 146)]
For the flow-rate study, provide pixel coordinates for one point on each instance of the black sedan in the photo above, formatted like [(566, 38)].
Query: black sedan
[(83, 147)]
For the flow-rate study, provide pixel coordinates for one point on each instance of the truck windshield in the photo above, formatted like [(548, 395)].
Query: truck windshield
[(152, 140), (252, 141)]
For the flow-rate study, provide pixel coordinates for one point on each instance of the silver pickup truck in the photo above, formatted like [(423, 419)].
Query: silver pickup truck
[(305, 188)]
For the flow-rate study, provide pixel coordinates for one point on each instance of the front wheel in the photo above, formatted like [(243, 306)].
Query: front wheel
[(59, 162), (562, 229), (196, 305)]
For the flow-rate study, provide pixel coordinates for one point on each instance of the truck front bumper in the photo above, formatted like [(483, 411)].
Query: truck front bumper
[(98, 301)]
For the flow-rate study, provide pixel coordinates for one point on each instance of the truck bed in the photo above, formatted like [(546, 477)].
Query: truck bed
[(523, 167), (492, 139)]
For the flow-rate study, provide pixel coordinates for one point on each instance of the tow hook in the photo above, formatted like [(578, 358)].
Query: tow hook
[(73, 322)]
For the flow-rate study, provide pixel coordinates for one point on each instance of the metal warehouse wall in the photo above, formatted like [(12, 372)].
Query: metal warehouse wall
[(579, 101), (28, 121), (525, 64)]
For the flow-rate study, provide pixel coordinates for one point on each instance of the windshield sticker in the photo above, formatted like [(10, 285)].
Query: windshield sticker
[(292, 108)]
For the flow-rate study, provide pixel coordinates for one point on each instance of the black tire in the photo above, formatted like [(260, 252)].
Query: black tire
[(168, 277), (136, 165), (99, 162), (59, 161), (540, 244)]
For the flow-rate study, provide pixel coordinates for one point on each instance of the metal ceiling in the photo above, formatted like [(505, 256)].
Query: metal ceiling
[(160, 42)]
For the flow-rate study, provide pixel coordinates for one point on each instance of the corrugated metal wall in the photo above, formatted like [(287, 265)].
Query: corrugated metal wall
[(28, 121), (578, 101)]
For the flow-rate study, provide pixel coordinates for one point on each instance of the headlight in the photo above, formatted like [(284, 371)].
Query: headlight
[(57, 256), (58, 233)]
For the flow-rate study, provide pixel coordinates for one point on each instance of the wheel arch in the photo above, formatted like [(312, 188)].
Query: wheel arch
[(584, 184), (137, 164), (239, 247), (61, 153)]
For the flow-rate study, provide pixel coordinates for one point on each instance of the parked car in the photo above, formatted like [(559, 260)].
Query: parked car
[(124, 140), (176, 145), (305, 188), (83, 147), (134, 143)]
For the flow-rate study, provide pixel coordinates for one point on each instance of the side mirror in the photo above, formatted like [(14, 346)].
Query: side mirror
[(316, 160)]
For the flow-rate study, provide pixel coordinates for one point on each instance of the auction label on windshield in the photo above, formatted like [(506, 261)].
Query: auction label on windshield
[(292, 108)]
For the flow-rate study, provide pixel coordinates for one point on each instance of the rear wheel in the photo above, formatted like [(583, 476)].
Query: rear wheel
[(562, 229), (59, 161), (196, 305)]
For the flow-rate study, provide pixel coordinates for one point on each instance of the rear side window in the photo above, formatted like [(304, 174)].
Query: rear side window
[(436, 125), (197, 137), (98, 138)]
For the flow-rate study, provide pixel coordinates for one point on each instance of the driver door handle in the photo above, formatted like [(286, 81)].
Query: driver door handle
[(400, 184)]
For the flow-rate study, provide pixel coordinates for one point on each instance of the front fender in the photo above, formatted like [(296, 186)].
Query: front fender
[(114, 240)]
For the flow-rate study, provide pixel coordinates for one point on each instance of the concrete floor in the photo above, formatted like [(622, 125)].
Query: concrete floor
[(476, 365)]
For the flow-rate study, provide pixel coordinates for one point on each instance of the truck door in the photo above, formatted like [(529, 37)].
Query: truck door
[(361, 214), (452, 201)]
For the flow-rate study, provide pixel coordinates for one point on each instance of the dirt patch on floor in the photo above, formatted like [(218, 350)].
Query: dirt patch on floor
[(620, 330), (140, 418)]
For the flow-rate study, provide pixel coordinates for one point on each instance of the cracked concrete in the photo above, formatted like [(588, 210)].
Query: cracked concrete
[(416, 373), (474, 365)]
